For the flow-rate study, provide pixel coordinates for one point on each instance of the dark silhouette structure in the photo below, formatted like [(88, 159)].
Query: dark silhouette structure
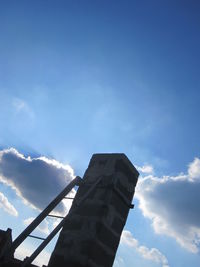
[(91, 231), (91, 234)]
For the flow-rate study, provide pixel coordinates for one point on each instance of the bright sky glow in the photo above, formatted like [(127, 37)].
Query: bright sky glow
[(82, 77)]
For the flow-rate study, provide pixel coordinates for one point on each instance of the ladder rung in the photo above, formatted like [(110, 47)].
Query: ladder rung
[(34, 236), (55, 216), (69, 197)]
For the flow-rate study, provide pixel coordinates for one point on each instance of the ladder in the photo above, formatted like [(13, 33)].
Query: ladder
[(7, 255)]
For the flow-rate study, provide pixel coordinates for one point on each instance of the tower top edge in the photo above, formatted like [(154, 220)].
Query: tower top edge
[(115, 156)]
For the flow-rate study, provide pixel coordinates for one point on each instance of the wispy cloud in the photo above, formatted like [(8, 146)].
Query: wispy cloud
[(36, 180), (7, 206), (172, 203), (152, 254), (21, 106)]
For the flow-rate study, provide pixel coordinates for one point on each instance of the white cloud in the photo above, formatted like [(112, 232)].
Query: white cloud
[(7, 206), (127, 238), (42, 227), (172, 203), (36, 180), (194, 169), (152, 254), (148, 169)]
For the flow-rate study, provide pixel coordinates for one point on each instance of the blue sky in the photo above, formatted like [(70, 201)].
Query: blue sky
[(82, 77)]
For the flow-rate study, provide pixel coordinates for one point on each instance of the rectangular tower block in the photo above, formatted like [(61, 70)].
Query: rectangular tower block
[(91, 233)]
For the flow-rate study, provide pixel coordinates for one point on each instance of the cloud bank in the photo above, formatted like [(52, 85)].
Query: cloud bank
[(36, 180), (152, 254), (172, 203), (7, 206)]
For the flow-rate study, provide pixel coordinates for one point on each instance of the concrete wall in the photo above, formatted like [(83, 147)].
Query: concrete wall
[(91, 234)]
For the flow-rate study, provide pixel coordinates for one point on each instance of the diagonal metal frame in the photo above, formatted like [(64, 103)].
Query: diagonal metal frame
[(30, 259), (75, 182)]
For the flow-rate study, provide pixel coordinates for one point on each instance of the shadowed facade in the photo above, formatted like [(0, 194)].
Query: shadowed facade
[(91, 234)]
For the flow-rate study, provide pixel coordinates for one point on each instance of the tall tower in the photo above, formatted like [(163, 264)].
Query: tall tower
[(91, 233)]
